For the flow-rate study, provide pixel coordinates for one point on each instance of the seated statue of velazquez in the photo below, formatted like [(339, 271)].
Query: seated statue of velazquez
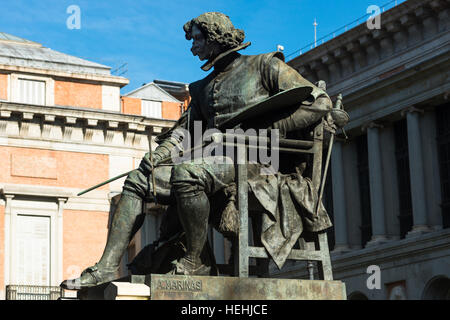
[(201, 193)]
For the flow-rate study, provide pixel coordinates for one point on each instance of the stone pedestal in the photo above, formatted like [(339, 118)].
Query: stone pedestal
[(171, 287)]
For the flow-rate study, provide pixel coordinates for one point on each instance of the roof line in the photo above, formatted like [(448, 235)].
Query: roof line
[(12, 38), (158, 87)]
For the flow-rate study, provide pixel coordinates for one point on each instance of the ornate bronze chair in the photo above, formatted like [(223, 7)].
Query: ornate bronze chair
[(311, 249)]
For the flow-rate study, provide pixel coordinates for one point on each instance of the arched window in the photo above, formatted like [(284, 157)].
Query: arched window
[(437, 288), (357, 296)]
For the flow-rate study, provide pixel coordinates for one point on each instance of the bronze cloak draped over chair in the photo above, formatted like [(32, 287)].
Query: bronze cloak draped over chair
[(313, 247)]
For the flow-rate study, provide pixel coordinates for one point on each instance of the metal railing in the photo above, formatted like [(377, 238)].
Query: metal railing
[(341, 30), (27, 292)]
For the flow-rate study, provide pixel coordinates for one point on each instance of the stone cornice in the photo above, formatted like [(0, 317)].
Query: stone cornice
[(77, 129), (360, 49), (359, 32), (96, 200), (31, 190), (71, 115), (104, 79)]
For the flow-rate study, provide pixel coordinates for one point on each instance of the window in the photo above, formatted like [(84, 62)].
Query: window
[(151, 109), (32, 250), (33, 239), (443, 140), (364, 189), (31, 91), (403, 176)]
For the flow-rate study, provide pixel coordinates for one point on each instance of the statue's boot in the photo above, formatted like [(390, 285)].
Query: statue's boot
[(127, 219), (193, 211)]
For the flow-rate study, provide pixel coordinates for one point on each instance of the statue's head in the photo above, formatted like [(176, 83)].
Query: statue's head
[(212, 33)]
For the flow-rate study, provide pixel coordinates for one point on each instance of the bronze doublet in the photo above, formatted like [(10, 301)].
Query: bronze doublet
[(236, 83)]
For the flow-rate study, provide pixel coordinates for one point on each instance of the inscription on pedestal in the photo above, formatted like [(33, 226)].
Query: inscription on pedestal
[(174, 287), (179, 285)]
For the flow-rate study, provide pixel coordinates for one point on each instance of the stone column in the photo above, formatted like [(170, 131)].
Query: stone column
[(431, 170), (59, 242), (9, 234), (416, 169), (376, 185), (353, 200), (390, 183), (339, 205)]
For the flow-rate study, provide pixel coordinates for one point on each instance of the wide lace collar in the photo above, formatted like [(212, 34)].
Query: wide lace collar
[(223, 59)]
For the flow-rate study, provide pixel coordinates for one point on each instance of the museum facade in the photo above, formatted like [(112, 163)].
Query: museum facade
[(389, 188), (64, 127)]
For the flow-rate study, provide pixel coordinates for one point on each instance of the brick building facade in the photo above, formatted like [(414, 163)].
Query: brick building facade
[(63, 128)]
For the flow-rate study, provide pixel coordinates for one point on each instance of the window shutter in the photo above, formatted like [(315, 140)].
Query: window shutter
[(33, 250), (151, 109), (31, 91)]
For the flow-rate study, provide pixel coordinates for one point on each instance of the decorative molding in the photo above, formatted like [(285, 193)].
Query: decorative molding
[(370, 125), (70, 120), (105, 79), (411, 110), (74, 126), (5, 114), (404, 26), (34, 190)]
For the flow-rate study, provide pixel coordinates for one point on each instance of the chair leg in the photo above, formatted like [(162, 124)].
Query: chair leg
[(241, 254), (308, 246), (324, 266), (262, 265)]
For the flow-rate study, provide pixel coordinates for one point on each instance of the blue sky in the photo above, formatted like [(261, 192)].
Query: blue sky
[(148, 34)]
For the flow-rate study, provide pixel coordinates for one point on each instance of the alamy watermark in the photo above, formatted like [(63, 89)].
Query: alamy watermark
[(374, 21), (74, 20), (262, 147), (374, 280)]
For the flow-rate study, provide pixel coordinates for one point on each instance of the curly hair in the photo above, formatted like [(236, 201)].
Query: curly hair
[(216, 27)]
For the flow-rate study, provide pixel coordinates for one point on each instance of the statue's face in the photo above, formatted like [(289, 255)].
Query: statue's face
[(200, 47)]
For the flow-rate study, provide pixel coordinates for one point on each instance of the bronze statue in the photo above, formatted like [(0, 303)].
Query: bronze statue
[(201, 193)]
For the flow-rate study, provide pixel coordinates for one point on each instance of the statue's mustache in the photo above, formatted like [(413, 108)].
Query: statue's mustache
[(195, 50)]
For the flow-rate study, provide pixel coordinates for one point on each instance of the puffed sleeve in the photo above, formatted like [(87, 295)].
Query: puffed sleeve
[(277, 77)]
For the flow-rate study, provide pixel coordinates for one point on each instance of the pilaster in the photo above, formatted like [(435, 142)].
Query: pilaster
[(416, 169)]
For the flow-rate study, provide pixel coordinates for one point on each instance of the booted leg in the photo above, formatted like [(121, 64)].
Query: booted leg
[(192, 184), (127, 219), (193, 210)]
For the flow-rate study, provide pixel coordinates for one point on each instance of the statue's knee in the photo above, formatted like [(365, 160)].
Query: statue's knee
[(180, 172), (184, 180), (136, 183), (133, 176)]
